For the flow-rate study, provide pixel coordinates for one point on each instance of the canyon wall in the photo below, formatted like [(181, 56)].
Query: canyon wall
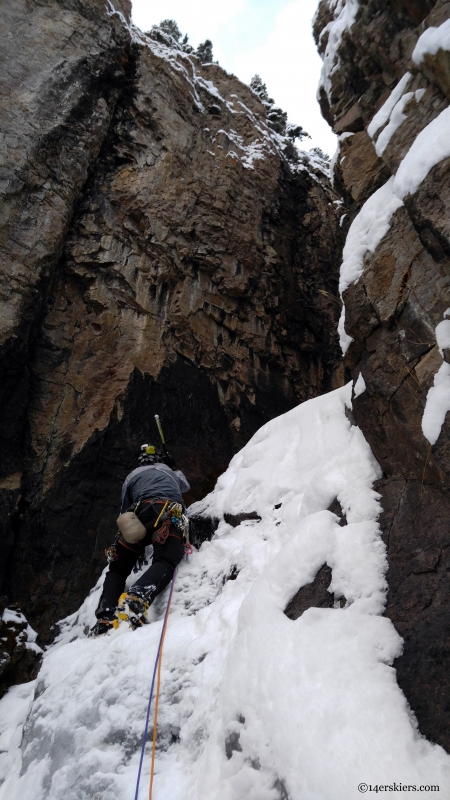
[(386, 90), (163, 251)]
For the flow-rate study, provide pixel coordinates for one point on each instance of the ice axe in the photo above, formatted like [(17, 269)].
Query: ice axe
[(161, 435)]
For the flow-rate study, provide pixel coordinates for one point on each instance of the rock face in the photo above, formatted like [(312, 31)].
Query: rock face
[(163, 252), (19, 655), (395, 300)]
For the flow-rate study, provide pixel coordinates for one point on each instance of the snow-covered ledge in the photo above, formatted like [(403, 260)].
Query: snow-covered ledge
[(438, 398), (372, 223)]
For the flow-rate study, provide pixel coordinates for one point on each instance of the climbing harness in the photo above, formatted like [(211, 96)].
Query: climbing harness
[(171, 514), (157, 666), (161, 513)]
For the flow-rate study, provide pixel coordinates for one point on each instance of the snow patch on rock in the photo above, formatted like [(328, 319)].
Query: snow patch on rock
[(443, 334), (27, 635), (368, 228), (432, 40), (437, 404), (438, 398), (335, 157), (395, 120), (383, 114), (344, 12), (360, 386)]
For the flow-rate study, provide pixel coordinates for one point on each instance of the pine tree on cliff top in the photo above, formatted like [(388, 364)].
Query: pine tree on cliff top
[(205, 52), (169, 34), (170, 27), (319, 152), (260, 89), (276, 117)]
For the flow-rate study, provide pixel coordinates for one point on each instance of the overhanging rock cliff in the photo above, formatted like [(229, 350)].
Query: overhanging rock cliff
[(165, 251), (386, 91)]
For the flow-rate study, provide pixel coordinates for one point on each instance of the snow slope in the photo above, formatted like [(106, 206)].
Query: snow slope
[(253, 705)]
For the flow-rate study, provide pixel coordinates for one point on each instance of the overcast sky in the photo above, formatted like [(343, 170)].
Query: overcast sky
[(269, 37)]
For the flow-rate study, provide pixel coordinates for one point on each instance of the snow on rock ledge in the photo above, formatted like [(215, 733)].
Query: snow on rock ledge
[(438, 398), (372, 223), (253, 704), (395, 300), (344, 14), (382, 116), (431, 41)]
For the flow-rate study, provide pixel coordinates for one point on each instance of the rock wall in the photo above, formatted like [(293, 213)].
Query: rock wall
[(164, 252), (387, 106)]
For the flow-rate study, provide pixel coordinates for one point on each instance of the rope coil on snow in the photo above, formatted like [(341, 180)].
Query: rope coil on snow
[(157, 666)]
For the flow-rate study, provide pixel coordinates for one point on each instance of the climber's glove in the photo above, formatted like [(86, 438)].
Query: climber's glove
[(169, 460)]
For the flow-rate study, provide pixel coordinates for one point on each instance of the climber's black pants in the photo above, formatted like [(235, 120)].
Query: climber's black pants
[(165, 558)]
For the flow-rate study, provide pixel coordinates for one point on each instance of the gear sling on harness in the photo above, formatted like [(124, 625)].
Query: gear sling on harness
[(134, 527)]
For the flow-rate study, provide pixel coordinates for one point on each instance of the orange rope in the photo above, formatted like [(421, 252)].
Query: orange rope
[(155, 717)]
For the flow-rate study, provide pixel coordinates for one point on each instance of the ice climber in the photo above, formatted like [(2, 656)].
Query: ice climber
[(152, 512)]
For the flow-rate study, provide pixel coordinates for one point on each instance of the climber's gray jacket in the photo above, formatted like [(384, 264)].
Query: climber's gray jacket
[(153, 480)]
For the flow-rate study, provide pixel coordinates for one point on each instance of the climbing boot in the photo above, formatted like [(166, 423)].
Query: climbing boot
[(132, 607), (103, 626)]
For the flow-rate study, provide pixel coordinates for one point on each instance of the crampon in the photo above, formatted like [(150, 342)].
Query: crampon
[(132, 609), (103, 626)]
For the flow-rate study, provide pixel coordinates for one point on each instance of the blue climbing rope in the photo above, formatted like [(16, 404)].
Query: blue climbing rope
[(144, 738)]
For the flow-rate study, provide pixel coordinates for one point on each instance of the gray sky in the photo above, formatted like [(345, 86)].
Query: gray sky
[(270, 37)]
